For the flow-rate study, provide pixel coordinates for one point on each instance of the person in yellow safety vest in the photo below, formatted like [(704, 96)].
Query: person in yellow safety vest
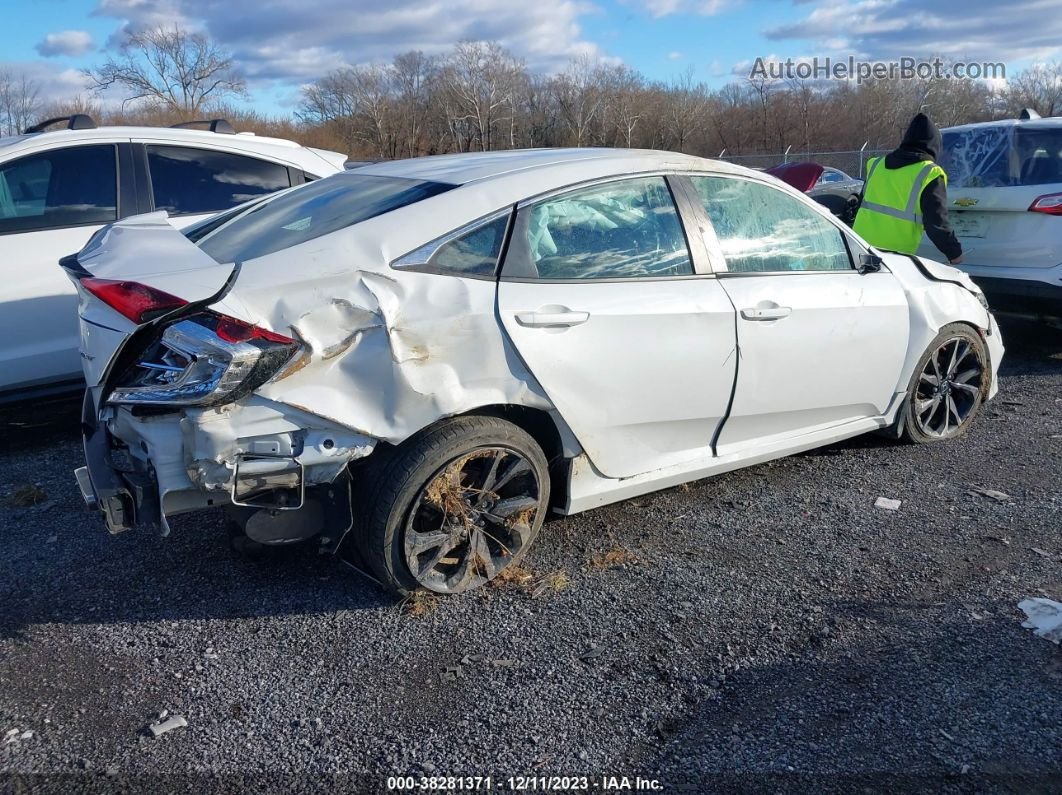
[(906, 192)]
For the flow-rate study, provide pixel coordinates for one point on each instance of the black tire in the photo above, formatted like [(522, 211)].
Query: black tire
[(926, 415), (395, 481)]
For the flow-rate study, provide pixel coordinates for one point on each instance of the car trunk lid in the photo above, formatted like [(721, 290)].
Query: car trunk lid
[(132, 274)]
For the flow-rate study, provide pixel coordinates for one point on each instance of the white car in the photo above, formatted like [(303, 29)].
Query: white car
[(418, 359), (1005, 203), (58, 187)]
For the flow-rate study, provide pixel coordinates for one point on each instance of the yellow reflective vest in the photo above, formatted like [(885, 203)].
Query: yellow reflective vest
[(890, 216)]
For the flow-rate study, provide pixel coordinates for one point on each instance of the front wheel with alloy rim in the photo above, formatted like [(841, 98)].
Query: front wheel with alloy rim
[(949, 385), (452, 508)]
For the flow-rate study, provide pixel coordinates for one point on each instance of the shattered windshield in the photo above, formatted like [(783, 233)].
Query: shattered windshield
[(311, 211), (1002, 156)]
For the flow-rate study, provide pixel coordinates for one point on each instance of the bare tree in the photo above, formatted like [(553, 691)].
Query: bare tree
[(169, 67), (19, 101), (1039, 87)]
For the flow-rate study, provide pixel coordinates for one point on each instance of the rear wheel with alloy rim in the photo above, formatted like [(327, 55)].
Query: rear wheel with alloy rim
[(949, 386), (451, 509)]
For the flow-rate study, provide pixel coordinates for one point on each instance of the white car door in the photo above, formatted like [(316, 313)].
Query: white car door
[(51, 202), (821, 343), (600, 296)]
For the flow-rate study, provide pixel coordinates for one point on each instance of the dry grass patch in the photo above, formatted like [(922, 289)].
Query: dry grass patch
[(27, 496), (513, 575), (419, 604), (613, 558)]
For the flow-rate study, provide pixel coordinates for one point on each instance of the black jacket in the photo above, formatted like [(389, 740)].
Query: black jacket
[(922, 142)]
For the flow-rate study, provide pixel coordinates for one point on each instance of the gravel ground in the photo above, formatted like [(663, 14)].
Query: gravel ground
[(767, 630)]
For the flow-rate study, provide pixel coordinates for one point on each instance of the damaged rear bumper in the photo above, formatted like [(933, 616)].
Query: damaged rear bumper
[(257, 455)]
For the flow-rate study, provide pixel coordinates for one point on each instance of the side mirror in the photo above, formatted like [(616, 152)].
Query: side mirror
[(870, 263)]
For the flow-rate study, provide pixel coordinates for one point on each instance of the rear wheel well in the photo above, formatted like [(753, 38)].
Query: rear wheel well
[(540, 426)]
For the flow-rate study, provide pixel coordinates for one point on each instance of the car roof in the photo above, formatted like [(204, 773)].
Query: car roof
[(1050, 123), (461, 169), (279, 148)]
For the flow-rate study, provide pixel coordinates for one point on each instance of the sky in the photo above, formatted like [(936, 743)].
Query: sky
[(281, 45)]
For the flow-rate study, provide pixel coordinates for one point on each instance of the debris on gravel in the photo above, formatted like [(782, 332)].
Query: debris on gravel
[(887, 504), (1044, 618), (159, 728)]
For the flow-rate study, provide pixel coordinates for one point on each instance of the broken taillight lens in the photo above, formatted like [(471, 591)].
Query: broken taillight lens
[(232, 330), (205, 359), (1050, 204), (138, 302)]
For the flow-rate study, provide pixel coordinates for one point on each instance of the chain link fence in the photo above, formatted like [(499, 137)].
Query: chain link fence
[(853, 162)]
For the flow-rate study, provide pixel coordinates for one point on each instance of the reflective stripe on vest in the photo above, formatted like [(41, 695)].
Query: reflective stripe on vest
[(906, 235)]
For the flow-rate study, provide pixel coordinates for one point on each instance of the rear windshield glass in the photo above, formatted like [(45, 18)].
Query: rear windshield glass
[(310, 211), (1003, 156)]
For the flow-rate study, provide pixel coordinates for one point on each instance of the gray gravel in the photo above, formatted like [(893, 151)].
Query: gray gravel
[(768, 630)]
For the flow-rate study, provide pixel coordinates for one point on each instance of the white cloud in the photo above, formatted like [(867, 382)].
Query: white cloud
[(957, 29), (296, 41), (65, 42), (53, 83), (674, 56), (704, 8)]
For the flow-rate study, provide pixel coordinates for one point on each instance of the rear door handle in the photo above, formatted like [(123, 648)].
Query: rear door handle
[(766, 313), (554, 318)]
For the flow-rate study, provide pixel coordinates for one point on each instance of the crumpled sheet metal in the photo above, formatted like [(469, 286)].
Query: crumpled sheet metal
[(390, 352), (214, 438), (936, 304)]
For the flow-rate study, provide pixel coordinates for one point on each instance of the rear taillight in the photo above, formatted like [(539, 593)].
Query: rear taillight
[(1050, 203), (138, 302), (232, 330), (204, 360)]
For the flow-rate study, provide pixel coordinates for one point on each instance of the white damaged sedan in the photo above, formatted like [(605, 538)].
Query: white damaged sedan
[(418, 360)]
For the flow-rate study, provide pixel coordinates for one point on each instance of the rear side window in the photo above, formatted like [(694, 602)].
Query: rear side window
[(186, 181), (313, 210), (64, 187), (472, 250)]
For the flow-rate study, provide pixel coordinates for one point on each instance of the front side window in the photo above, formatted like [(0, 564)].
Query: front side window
[(762, 229), (310, 211), (65, 187), (623, 229), (186, 181)]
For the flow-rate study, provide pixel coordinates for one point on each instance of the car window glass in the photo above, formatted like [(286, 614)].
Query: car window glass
[(186, 180), (475, 252), (832, 176), (310, 211), (763, 229), (64, 187), (623, 229)]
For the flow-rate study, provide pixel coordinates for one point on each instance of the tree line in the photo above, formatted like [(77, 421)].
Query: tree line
[(480, 97)]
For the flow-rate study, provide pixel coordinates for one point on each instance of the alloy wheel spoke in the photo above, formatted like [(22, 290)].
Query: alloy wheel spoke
[(490, 479), (517, 467), (464, 573), (506, 508), (966, 375), (953, 411), (481, 552), (969, 389), (955, 357)]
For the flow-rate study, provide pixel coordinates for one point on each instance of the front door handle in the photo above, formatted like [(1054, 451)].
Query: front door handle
[(766, 312), (552, 317)]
